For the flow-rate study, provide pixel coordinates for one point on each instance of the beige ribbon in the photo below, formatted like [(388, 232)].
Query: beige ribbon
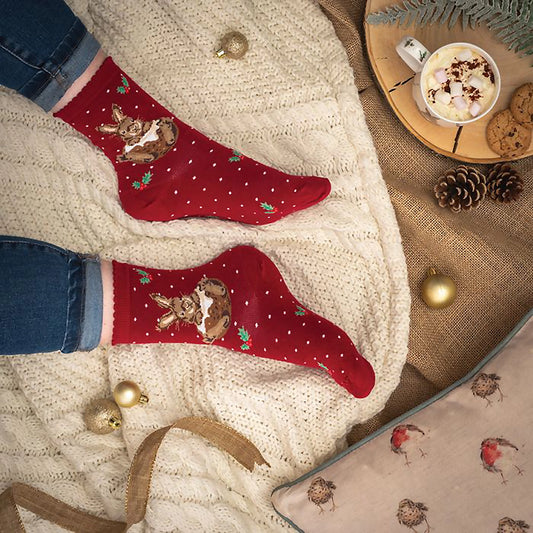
[(138, 488)]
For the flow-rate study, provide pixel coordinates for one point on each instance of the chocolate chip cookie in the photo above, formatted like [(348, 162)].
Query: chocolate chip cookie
[(522, 105), (506, 136)]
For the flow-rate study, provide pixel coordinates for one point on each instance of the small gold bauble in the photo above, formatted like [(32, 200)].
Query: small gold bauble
[(438, 290), (128, 394), (102, 416), (233, 45)]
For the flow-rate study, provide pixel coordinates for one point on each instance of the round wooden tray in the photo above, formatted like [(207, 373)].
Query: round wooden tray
[(466, 143)]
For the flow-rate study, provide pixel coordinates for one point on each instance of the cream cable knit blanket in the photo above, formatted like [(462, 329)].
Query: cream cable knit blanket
[(290, 103)]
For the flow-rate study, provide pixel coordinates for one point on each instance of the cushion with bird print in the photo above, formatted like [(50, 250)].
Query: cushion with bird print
[(461, 462)]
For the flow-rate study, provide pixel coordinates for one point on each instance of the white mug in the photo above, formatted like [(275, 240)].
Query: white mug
[(417, 57)]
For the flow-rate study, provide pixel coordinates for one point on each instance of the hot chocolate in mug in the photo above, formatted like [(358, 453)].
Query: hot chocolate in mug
[(456, 85)]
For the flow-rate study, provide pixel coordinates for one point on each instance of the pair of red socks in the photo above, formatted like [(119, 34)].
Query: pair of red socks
[(167, 170)]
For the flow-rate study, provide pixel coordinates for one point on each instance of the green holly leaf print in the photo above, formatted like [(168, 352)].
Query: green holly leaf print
[(145, 180), (244, 335), (245, 347), (125, 89), (145, 276), (300, 311), (237, 156), (323, 366), (269, 209)]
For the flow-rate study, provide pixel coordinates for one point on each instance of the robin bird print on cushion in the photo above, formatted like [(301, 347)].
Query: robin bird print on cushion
[(500, 457), (404, 438), (508, 525), (320, 492), (485, 385), (412, 514)]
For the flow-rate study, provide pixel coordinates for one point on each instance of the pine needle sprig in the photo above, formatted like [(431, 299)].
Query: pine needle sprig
[(511, 20)]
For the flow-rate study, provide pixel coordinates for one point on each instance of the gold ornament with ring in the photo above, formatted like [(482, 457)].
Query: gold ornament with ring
[(233, 45), (438, 291), (102, 416), (128, 394)]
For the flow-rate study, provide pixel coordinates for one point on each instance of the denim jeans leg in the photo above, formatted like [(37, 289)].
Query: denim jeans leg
[(92, 312), (44, 48), (50, 298)]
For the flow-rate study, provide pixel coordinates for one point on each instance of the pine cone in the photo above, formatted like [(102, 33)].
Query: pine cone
[(461, 188), (504, 183)]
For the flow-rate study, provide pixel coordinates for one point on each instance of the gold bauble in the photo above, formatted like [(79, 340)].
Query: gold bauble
[(438, 290), (102, 416), (128, 394), (233, 45)]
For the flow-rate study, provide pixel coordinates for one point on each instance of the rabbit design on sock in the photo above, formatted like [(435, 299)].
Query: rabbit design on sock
[(208, 307), (145, 141)]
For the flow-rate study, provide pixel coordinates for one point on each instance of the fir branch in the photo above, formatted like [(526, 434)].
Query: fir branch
[(511, 20)]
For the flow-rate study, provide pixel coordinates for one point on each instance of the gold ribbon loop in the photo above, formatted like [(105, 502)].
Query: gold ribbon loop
[(222, 436), (138, 489)]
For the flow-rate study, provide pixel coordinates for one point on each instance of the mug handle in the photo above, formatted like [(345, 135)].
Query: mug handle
[(413, 52)]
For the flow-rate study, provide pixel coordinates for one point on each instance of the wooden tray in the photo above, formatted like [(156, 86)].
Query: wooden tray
[(466, 143)]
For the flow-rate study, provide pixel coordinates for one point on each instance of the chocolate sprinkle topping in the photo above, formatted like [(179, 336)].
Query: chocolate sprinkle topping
[(457, 70)]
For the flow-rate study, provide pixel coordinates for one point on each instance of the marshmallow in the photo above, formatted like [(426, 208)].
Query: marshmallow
[(456, 88), (443, 97), (476, 82), (464, 55), (440, 75), (475, 108), (459, 103)]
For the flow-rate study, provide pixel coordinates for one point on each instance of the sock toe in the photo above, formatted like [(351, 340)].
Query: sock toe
[(360, 379), (309, 190), (314, 191), (323, 189)]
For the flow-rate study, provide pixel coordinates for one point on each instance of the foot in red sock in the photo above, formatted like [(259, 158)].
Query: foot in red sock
[(239, 301), (167, 170)]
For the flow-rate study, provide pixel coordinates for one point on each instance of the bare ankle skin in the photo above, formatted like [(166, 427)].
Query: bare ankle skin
[(81, 82), (107, 319)]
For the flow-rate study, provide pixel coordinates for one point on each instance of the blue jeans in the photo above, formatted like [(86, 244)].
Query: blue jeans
[(50, 298), (44, 48)]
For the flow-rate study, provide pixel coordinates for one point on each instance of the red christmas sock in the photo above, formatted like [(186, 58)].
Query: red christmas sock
[(167, 170), (239, 301)]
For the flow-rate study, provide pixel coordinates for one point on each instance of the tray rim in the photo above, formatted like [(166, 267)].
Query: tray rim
[(425, 141)]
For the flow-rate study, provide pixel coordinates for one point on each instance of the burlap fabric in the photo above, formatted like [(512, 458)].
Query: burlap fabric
[(489, 251)]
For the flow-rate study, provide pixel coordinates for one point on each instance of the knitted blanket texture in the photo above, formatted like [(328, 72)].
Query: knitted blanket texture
[(291, 103)]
